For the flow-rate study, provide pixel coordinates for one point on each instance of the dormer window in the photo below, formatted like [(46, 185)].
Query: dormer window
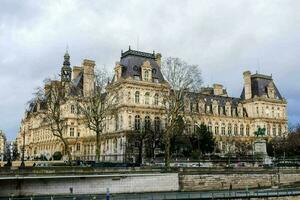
[(146, 75)]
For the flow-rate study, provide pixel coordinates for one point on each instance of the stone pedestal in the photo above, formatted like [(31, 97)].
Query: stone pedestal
[(260, 147)]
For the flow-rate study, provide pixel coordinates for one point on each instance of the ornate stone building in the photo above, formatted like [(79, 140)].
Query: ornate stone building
[(140, 84), (2, 145)]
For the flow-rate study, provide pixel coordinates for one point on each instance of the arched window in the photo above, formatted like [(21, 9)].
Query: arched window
[(156, 124), (223, 129), (156, 99), (209, 127), (116, 122), (242, 130), (274, 130), (115, 145), (147, 123), (279, 130), (229, 129), (147, 98), (146, 75), (137, 97), (72, 109), (78, 147), (235, 130), (137, 123), (247, 130), (216, 128)]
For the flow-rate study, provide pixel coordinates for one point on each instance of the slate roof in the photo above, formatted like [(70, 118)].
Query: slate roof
[(131, 62), (77, 85), (259, 85), (209, 98)]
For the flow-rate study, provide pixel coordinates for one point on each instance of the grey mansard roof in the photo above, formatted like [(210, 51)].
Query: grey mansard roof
[(131, 62), (209, 98), (259, 85)]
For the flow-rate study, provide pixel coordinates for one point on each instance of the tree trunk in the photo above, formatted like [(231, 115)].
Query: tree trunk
[(167, 150), (98, 146), (140, 153), (67, 149)]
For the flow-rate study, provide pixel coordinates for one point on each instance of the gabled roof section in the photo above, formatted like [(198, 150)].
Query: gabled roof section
[(131, 62)]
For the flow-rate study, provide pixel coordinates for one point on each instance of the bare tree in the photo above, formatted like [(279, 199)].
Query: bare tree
[(98, 107), (53, 98), (182, 78)]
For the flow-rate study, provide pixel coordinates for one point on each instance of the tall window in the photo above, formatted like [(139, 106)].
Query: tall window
[(235, 130), (229, 129), (268, 129), (247, 130), (223, 129), (279, 130), (242, 130), (116, 122), (147, 97), (209, 127), (156, 99), (147, 123), (137, 97), (217, 129), (274, 130), (115, 145), (146, 75), (137, 122), (78, 147), (156, 124), (72, 132), (72, 109)]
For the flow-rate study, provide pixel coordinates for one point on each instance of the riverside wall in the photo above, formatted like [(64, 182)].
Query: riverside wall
[(200, 182), (88, 184), (45, 181)]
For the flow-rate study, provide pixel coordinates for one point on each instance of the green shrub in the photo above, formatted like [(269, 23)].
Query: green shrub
[(57, 155)]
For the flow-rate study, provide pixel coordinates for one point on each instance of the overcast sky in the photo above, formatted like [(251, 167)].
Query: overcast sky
[(224, 38)]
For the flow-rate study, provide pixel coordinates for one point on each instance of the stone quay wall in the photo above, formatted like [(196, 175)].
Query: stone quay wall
[(89, 184), (198, 182)]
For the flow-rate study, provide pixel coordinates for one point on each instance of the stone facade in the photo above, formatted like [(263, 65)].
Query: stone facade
[(140, 85), (2, 145)]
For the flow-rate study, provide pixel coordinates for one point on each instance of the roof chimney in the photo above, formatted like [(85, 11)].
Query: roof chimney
[(247, 84)]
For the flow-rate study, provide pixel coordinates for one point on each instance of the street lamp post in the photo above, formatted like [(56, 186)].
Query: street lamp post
[(23, 150)]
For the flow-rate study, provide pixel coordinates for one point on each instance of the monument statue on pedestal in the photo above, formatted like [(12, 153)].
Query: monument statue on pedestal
[(260, 146)]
